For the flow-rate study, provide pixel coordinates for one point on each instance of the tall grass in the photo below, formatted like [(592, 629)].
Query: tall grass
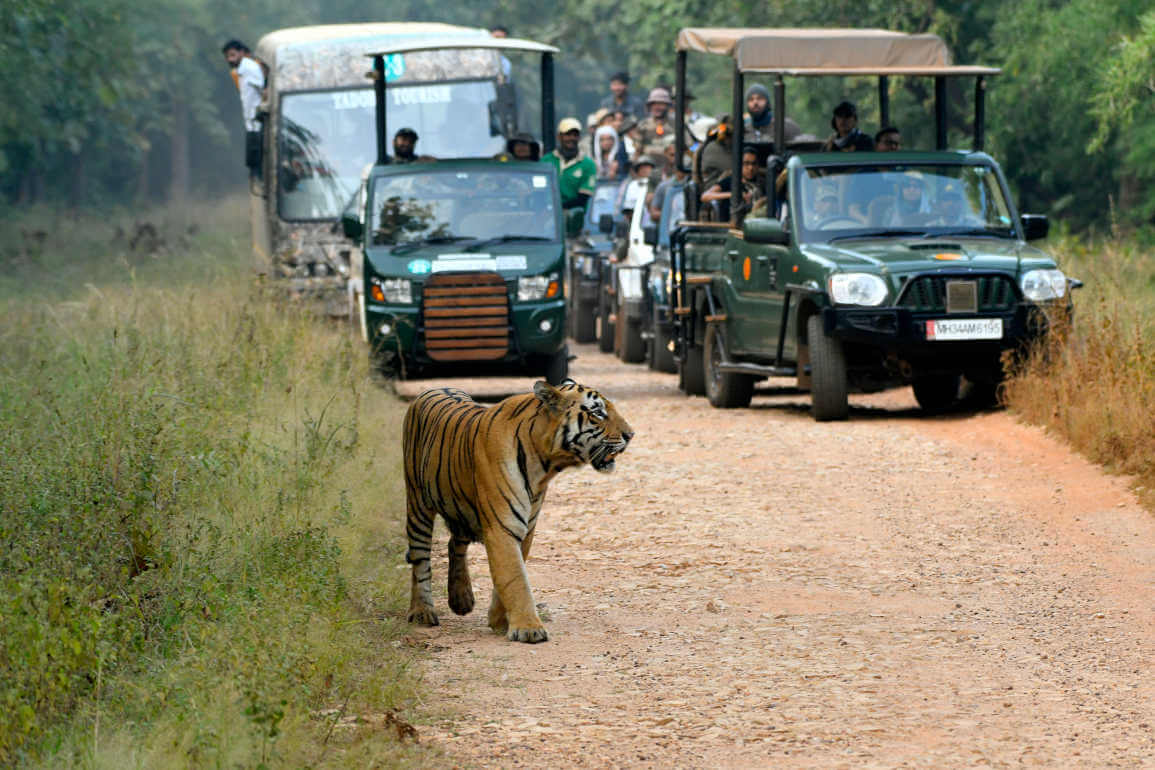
[(1094, 382), (199, 506)]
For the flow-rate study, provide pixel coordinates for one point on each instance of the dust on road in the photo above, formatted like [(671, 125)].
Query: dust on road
[(753, 589)]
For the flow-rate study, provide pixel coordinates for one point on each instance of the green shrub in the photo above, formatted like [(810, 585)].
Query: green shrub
[(197, 496)]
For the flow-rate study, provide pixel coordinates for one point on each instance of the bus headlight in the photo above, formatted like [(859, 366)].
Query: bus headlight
[(397, 291), (1041, 285), (531, 288), (857, 289)]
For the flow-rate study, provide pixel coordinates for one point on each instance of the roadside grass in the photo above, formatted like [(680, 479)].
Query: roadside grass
[(1094, 383), (200, 505)]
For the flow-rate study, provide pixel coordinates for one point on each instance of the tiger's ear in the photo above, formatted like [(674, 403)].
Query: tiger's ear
[(551, 397)]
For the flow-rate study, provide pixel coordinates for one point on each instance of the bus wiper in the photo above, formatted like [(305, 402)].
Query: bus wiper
[(968, 231), (405, 248), (876, 234), (504, 239)]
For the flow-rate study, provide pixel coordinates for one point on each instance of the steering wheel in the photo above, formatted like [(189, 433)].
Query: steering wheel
[(826, 223)]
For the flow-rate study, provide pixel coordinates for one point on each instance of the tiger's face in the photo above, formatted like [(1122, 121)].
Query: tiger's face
[(591, 430)]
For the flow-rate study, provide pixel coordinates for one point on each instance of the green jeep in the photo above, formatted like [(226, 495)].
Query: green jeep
[(867, 270), (462, 260)]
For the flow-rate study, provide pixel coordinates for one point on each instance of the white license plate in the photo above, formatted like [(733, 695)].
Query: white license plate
[(949, 330)]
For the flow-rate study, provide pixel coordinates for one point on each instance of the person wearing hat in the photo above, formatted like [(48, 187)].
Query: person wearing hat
[(520, 147), (657, 130), (576, 171), (620, 97), (846, 136), (637, 185), (759, 123)]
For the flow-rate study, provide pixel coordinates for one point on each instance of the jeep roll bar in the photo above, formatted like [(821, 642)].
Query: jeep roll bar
[(434, 44), (806, 52)]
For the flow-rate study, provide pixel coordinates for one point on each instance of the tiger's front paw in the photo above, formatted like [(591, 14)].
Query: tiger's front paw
[(530, 635), (423, 615), (461, 598)]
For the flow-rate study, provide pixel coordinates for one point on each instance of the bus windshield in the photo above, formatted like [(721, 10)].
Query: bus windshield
[(507, 204), (326, 138), (915, 199)]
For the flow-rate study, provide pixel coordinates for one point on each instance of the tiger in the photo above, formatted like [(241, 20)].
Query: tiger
[(485, 470)]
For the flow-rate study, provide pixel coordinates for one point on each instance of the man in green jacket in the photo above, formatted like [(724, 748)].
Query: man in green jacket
[(576, 171)]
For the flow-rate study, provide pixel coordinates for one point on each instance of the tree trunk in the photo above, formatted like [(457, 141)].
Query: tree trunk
[(178, 151)]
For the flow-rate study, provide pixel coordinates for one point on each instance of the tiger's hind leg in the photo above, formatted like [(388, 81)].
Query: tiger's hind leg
[(460, 587), (419, 529)]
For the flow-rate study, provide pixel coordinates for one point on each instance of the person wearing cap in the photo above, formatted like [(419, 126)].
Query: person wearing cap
[(576, 171), (405, 146), (620, 97), (657, 130), (758, 125), (846, 136), (953, 210)]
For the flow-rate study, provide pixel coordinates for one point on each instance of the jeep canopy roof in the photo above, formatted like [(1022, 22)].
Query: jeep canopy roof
[(827, 51)]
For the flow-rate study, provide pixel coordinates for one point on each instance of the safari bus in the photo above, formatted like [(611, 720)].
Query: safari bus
[(460, 258), (318, 136)]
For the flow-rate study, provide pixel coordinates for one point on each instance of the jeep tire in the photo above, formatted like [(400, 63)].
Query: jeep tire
[(725, 390), (691, 374), (828, 386)]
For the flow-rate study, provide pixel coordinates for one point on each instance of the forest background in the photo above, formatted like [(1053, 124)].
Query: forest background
[(129, 102)]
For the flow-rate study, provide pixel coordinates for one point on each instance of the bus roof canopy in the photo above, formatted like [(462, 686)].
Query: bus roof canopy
[(333, 55), (442, 43), (805, 51)]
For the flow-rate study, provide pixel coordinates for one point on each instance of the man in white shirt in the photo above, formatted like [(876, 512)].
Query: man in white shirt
[(250, 80)]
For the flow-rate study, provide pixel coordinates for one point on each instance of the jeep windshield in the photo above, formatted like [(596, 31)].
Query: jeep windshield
[(326, 138), (901, 200), (467, 206)]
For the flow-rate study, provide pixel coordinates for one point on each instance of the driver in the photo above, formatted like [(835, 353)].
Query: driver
[(953, 210), (825, 205)]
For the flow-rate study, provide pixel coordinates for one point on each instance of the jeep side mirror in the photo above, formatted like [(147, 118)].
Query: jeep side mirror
[(1035, 226), (606, 224), (650, 235), (351, 226), (764, 230)]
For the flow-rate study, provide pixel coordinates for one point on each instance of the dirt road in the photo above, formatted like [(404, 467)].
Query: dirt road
[(754, 589)]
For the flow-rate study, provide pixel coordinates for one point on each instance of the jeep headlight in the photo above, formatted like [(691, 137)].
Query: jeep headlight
[(397, 291), (857, 289), (534, 287), (1039, 285)]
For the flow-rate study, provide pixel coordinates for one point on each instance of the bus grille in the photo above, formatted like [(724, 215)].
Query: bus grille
[(927, 293), (466, 317)]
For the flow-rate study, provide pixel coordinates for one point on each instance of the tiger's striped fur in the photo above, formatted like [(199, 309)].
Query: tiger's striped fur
[(485, 471)]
